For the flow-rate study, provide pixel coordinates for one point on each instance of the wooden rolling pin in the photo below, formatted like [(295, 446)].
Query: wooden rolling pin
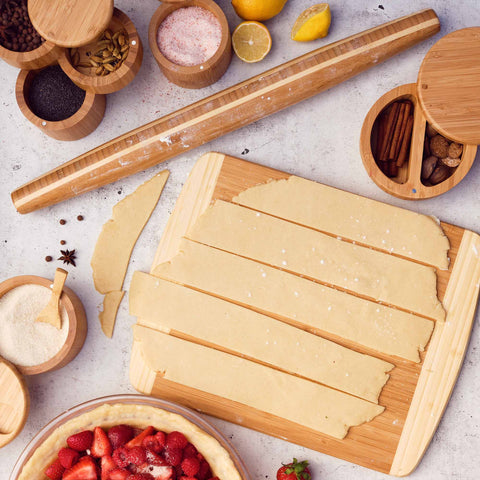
[(226, 111)]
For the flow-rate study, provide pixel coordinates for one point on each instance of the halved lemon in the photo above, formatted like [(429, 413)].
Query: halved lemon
[(251, 41), (312, 23)]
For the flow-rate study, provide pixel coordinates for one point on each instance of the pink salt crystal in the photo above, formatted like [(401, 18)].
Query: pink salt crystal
[(189, 36)]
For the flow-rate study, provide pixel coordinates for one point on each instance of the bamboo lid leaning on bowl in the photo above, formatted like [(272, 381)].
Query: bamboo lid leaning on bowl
[(70, 23), (14, 402)]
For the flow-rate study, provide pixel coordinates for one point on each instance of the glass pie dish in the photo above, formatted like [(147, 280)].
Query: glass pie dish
[(137, 400)]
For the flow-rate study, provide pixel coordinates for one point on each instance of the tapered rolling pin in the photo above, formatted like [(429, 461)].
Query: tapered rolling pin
[(226, 111)]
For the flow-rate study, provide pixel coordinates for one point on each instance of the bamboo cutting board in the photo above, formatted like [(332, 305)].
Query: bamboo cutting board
[(416, 394)]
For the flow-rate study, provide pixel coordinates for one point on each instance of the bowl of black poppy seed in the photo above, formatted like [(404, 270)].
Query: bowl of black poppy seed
[(50, 100), (20, 44)]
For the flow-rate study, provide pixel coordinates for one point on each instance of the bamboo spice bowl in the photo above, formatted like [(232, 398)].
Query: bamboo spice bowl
[(406, 180), (85, 76), (77, 330), (83, 122), (197, 76), (46, 54)]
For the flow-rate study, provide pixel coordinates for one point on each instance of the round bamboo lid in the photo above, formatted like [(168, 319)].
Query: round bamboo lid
[(14, 402), (70, 23), (448, 86)]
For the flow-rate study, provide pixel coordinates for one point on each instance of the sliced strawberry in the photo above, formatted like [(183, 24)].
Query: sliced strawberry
[(101, 444), (107, 465), (137, 441), (151, 442), (55, 470), (190, 451), (183, 477), (204, 471), (190, 466), (118, 474), (137, 455), (154, 459), (173, 456), (84, 469), (162, 438), (163, 473), (81, 441), (176, 440), (120, 457), (140, 476), (68, 457), (119, 435)]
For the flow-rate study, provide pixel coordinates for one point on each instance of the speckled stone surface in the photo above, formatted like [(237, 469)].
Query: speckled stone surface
[(317, 139)]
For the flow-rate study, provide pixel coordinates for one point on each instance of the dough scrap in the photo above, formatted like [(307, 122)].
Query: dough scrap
[(111, 302), (166, 306), (118, 237), (140, 416), (351, 216), (315, 406), (376, 275), (297, 299)]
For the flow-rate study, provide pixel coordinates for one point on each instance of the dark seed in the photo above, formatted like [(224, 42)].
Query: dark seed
[(62, 242), (62, 222), (48, 258), (80, 218)]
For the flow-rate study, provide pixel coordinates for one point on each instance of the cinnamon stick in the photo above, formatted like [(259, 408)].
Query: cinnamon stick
[(396, 131), (405, 147), (406, 114), (390, 125)]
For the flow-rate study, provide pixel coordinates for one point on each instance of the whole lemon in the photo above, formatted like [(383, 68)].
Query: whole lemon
[(258, 10)]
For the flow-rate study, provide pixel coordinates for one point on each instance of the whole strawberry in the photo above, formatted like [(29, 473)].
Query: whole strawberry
[(294, 471)]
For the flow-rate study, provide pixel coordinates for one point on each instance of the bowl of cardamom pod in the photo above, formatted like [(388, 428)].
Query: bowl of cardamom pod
[(110, 62)]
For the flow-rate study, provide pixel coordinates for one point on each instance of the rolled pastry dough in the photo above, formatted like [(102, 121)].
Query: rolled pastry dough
[(294, 298), (166, 306), (266, 389), (370, 273), (367, 221)]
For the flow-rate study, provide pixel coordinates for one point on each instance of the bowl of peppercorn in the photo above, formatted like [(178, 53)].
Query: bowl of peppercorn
[(20, 44), (50, 100)]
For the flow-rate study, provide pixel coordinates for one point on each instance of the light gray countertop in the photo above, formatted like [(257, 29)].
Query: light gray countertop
[(317, 139)]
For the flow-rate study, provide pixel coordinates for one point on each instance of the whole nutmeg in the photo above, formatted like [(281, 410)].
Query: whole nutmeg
[(428, 166), (451, 162), (440, 174), (439, 146), (455, 150)]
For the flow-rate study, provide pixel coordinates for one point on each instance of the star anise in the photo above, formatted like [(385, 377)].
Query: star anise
[(68, 257)]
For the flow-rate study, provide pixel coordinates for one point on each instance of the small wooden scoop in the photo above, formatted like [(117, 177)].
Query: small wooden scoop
[(51, 313)]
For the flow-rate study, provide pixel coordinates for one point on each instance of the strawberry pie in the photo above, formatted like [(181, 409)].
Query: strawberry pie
[(129, 442)]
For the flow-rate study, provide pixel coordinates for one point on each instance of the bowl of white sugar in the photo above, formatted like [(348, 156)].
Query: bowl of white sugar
[(191, 42), (37, 347)]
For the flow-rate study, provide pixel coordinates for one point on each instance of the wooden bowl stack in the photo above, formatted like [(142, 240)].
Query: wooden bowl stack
[(196, 76), (441, 109), (59, 24)]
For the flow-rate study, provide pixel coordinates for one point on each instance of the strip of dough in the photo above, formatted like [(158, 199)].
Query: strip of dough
[(115, 244), (119, 235), (266, 389), (167, 306), (274, 291), (376, 275), (111, 302), (357, 218)]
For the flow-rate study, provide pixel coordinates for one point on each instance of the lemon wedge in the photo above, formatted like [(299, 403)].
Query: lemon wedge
[(251, 41), (312, 23)]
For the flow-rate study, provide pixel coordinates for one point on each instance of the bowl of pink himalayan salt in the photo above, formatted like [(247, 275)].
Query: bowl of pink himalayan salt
[(38, 347), (191, 42)]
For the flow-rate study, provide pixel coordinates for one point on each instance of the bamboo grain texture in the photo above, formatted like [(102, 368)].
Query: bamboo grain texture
[(416, 394), (226, 111)]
